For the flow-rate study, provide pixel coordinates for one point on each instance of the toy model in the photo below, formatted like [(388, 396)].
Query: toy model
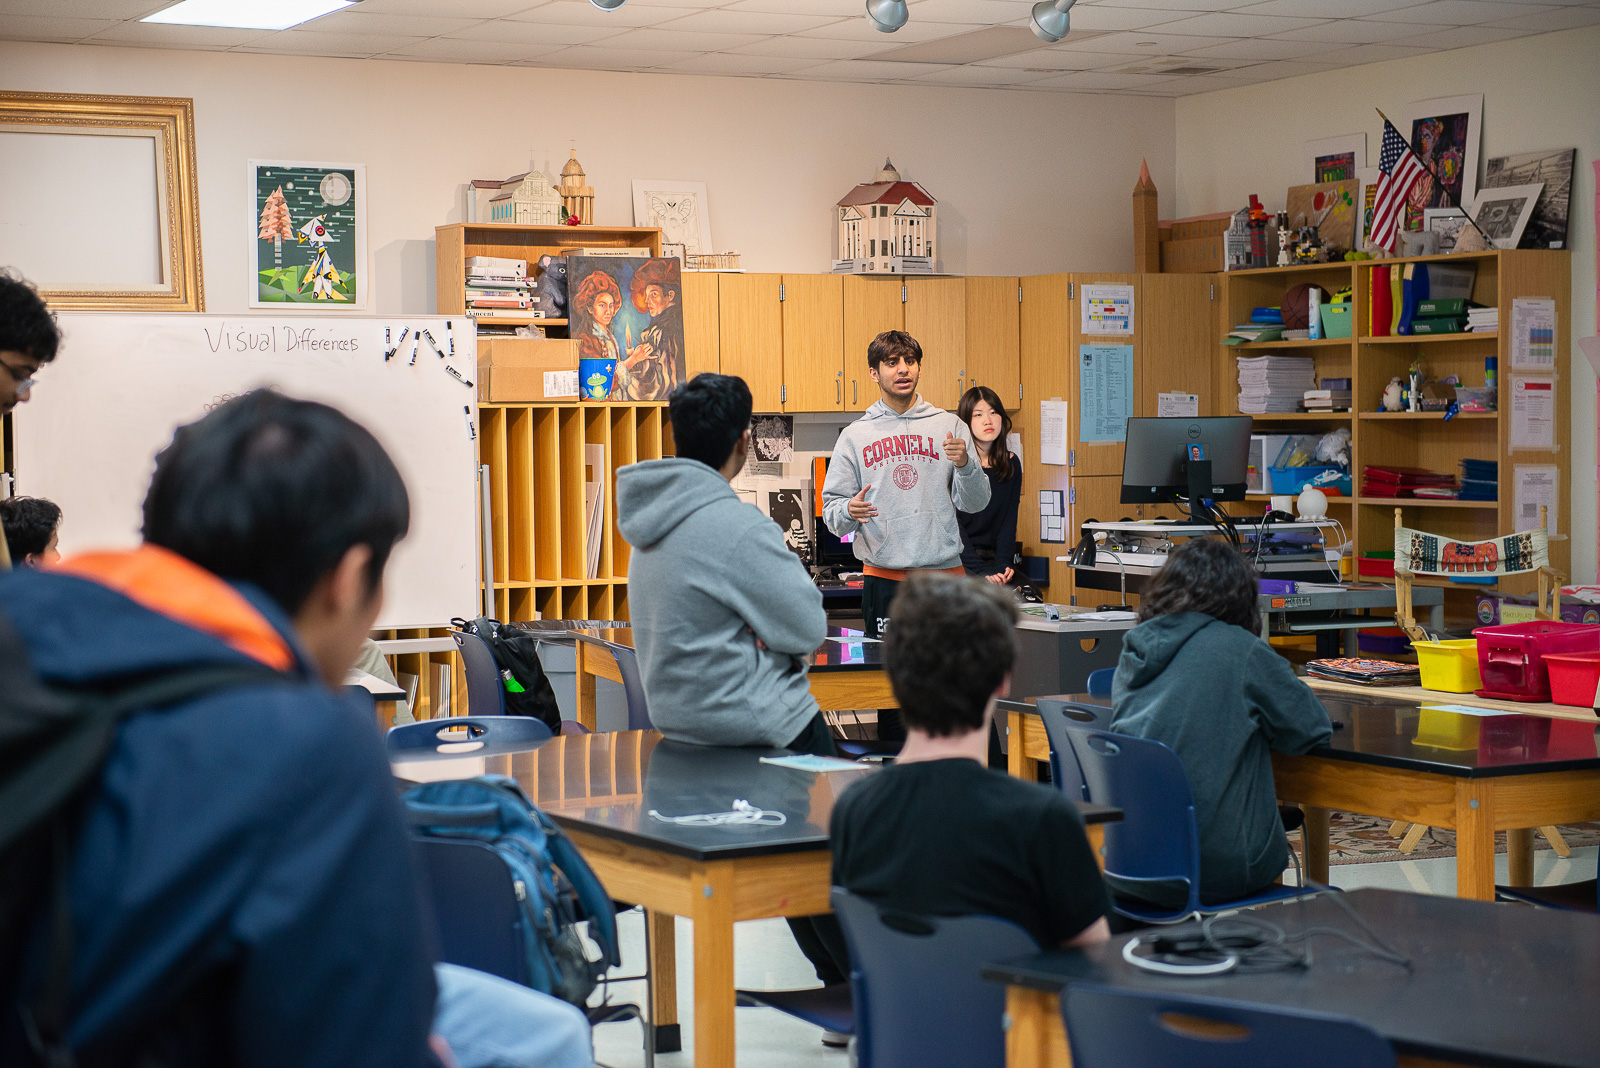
[(1258, 233), (887, 226), (550, 288)]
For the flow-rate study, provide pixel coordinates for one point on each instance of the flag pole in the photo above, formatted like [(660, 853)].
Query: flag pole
[(1455, 200)]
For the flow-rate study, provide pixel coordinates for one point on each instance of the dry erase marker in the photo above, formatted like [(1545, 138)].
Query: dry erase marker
[(434, 345), (449, 336), (387, 351), (457, 376), (416, 343), (472, 430)]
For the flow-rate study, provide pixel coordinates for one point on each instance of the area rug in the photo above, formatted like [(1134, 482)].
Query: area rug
[(1354, 839)]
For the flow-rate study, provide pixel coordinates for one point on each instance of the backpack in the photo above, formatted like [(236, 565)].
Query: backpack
[(53, 741), (516, 654), (555, 885)]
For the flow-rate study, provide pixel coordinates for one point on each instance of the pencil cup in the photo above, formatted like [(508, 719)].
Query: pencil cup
[(594, 378)]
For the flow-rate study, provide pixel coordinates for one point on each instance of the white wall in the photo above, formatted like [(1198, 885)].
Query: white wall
[(1538, 92), (1018, 190)]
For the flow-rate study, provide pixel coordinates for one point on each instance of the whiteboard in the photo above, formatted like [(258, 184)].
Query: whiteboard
[(121, 384)]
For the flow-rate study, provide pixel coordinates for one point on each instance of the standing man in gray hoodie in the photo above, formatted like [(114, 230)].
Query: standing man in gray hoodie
[(896, 478)]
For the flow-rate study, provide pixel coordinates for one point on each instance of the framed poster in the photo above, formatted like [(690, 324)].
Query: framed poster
[(1548, 226), (678, 208), (627, 312), (1447, 223), (1336, 159), (310, 227), (1444, 133), (1502, 214)]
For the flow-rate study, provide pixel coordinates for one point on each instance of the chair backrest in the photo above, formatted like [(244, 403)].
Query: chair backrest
[(632, 684), (1157, 841), (485, 693), (452, 737), (919, 999), (1100, 681), (1123, 1029), (475, 906), (1059, 717)]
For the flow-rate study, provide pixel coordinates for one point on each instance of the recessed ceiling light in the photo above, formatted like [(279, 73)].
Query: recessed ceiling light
[(246, 14)]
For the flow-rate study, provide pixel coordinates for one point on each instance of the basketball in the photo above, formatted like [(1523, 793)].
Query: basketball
[(1296, 303)]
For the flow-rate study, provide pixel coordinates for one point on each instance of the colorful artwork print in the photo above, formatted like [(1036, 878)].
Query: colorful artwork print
[(629, 312), (1440, 142), (310, 242), (1420, 553), (1330, 207), (1339, 167)]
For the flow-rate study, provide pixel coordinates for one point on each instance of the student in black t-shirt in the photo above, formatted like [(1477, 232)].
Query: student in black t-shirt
[(989, 537), (939, 833)]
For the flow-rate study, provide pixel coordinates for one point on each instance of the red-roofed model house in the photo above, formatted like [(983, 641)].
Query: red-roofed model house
[(887, 226)]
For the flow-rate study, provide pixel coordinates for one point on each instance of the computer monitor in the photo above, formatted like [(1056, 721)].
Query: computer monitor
[(1156, 462), (834, 551)]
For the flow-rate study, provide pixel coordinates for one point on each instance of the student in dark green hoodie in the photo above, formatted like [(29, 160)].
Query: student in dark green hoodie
[(1196, 676)]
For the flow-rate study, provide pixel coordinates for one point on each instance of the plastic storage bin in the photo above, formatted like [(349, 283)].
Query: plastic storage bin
[(1511, 657), (1336, 319), (1384, 641), (1449, 666), (1376, 565), (1573, 678), (1294, 479)]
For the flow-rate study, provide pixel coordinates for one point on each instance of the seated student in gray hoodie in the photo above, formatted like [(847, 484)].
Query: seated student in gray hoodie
[(1196, 676), (725, 617)]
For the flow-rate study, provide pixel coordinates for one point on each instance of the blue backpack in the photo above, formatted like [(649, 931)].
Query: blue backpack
[(557, 888)]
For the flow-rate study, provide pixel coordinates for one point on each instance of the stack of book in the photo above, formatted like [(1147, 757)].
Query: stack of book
[(1364, 672), (1480, 480), (1273, 384), (1405, 482), (1483, 320), (1441, 316), (1246, 333), (1333, 395), (498, 288)]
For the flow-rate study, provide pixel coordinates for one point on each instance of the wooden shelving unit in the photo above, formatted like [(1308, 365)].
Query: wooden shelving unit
[(1420, 439), (535, 454)]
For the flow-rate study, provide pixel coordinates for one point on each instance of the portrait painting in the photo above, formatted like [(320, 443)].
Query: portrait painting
[(1444, 135), (629, 311)]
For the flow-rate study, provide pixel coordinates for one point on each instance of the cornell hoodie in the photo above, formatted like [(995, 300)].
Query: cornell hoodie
[(709, 577), (1221, 699), (913, 487)]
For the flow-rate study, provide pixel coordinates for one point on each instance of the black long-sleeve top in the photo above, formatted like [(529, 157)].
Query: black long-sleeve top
[(989, 537)]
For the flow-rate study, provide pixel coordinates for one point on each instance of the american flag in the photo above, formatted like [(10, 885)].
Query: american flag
[(1399, 168)]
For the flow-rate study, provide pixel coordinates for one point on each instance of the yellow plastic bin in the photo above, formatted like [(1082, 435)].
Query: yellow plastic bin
[(1449, 666)]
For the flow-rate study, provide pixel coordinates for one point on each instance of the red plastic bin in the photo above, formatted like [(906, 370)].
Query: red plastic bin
[(1574, 677), (1511, 657)]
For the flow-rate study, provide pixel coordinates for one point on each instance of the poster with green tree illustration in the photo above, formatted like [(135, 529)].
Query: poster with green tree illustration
[(310, 242)]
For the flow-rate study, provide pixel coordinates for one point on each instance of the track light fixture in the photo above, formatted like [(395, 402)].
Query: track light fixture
[(608, 5), (887, 15), (1049, 21)]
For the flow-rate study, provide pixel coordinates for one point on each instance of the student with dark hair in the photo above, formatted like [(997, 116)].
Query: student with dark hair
[(241, 888), (724, 615), (1196, 676), (989, 536), (32, 529), (939, 833), (28, 341)]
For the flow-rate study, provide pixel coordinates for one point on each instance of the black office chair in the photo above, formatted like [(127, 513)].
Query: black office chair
[(479, 921)]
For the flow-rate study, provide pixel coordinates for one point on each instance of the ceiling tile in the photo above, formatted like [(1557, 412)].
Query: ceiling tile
[(1456, 12), (673, 41), (988, 12), (583, 13), (818, 48), (1236, 24), (461, 9), (1060, 59), (1094, 79), (982, 77), (1139, 42), (862, 70), (357, 21), (1355, 31), (1269, 72), (1122, 18), (108, 10), (747, 22), (1569, 18), (52, 28), (1175, 5), (161, 35), (1261, 49), (730, 63), (306, 43), (1462, 37), (861, 29), (605, 57), (701, 4), (1371, 53), (451, 50), (832, 8), (1329, 9), (554, 35), (972, 47)]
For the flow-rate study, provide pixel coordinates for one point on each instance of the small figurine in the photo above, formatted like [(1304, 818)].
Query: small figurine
[(1391, 395), (1308, 246), (1285, 258), (550, 288), (1258, 233), (1414, 391)]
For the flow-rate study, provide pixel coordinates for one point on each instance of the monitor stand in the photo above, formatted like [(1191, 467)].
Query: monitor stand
[(1199, 489)]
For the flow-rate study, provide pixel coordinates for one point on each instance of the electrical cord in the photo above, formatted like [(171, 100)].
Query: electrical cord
[(742, 814)]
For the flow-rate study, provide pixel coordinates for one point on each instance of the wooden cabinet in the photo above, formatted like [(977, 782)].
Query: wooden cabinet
[(813, 343), (871, 306), (1043, 359), (1178, 332), (936, 315), (994, 325), (702, 333), (751, 319)]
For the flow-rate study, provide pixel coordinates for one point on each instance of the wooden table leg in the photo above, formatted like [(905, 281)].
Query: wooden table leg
[(1519, 856), (1035, 1037), (1314, 839), (585, 711), (1017, 762), (1475, 839), (664, 980), (713, 968)]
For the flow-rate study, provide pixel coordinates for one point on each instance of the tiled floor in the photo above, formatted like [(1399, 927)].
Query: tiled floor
[(765, 957)]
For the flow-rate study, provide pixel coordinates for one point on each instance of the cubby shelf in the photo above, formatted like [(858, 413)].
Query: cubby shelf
[(1302, 417), (1295, 343), (1429, 339), (1424, 502), (1437, 417)]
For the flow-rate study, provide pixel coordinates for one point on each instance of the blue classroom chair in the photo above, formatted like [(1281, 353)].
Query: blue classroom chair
[(627, 661), (485, 693), (1123, 1029), (918, 996), (450, 737), (1156, 845), (1100, 681), (1059, 717)]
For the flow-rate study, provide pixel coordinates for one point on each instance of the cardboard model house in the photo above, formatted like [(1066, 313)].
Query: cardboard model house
[(887, 226), (528, 199)]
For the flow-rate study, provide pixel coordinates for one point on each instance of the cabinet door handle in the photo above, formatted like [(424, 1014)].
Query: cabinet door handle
[(838, 392), (854, 394)]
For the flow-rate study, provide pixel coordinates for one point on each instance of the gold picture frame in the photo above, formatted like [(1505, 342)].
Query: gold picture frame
[(175, 213)]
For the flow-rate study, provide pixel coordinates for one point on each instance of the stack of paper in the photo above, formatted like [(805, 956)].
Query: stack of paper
[(1480, 480), (1480, 320), (1273, 383), (1365, 672), (1390, 481)]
